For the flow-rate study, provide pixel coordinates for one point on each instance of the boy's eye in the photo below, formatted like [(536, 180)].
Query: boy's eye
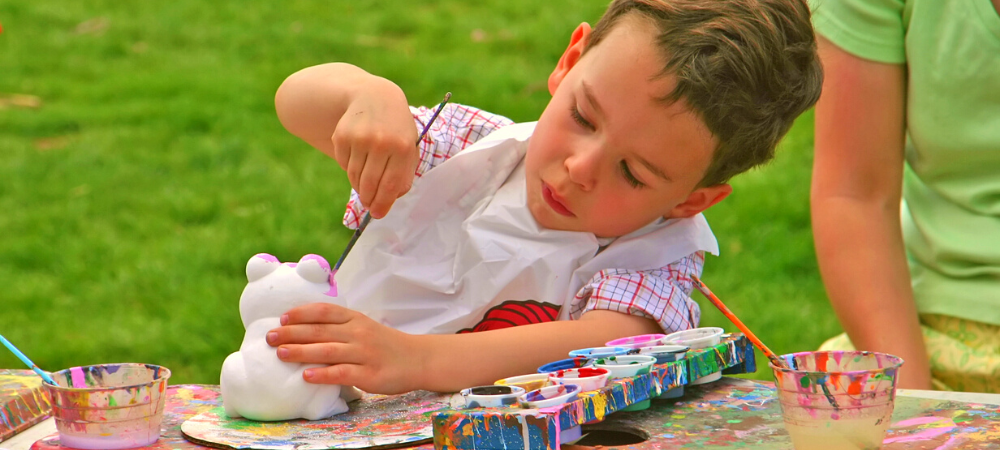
[(628, 175), (578, 118)]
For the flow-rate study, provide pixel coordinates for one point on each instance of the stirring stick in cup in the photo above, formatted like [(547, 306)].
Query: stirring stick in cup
[(736, 321), (25, 360)]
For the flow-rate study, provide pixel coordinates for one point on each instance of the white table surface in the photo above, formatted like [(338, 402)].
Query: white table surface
[(23, 440)]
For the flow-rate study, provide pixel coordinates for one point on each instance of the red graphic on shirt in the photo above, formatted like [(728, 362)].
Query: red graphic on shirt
[(513, 313)]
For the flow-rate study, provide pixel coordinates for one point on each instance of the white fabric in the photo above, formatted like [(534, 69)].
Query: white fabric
[(463, 240)]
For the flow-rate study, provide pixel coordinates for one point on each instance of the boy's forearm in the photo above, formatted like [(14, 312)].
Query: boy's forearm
[(310, 102), (457, 361)]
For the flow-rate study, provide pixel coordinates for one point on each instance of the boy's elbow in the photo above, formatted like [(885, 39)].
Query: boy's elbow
[(284, 99)]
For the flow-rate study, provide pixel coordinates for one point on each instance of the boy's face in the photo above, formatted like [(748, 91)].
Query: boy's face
[(606, 156)]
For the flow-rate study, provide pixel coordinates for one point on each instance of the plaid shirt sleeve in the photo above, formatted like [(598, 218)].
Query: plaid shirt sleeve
[(457, 127), (662, 294)]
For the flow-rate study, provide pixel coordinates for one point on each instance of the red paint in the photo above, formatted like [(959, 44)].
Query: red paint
[(583, 372), (855, 387), (821, 359)]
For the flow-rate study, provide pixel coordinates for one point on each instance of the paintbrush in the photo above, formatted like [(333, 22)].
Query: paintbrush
[(25, 360), (367, 217), (736, 321), (778, 362)]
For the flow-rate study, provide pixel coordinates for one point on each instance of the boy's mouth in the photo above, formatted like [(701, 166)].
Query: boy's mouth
[(555, 202)]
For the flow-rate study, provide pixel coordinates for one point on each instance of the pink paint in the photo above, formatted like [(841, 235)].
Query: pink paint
[(916, 421), (949, 444), (333, 285), (266, 257), (319, 259), (79, 380), (921, 436)]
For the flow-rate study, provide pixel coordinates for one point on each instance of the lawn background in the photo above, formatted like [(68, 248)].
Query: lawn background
[(142, 165)]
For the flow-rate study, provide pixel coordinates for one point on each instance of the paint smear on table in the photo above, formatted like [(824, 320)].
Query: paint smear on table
[(373, 421)]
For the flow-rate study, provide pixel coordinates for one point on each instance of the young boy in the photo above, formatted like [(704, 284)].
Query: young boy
[(652, 112)]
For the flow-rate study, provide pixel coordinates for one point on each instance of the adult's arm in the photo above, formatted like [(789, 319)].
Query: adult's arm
[(856, 193)]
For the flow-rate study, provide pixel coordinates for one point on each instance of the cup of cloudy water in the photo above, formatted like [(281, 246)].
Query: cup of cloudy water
[(109, 406), (837, 400)]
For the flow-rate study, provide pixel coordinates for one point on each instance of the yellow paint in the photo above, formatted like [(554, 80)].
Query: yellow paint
[(600, 406), (467, 429)]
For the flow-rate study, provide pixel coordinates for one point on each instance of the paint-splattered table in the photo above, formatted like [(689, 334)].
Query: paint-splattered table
[(731, 413)]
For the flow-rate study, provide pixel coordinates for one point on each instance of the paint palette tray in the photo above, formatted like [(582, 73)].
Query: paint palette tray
[(502, 428), (22, 401)]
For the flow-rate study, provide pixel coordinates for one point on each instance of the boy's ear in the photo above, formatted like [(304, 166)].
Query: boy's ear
[(699, 200), (569, 58)]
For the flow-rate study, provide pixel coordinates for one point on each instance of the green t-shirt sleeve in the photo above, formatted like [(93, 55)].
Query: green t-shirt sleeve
[(870, 29)]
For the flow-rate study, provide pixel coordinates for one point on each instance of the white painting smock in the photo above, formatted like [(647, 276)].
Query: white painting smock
[(463, 240)]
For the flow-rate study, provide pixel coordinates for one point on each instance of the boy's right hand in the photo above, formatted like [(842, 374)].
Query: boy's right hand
[(375, 143)]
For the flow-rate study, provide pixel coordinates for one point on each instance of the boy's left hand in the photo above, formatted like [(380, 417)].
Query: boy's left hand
[(358, 351)]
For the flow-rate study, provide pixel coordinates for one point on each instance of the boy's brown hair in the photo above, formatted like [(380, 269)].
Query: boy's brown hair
[(748, 68)]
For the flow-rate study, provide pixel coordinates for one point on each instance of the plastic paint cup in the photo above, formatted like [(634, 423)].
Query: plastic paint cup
[(588, 378), (109, 406), (491, 396), (643, 340), (837, 400), (625, 367), (549, 396), (698, 338), (527, 382), (599, 352), (667, 354), (563, 364)]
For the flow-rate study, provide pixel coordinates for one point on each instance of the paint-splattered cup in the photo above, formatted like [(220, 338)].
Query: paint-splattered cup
[(625, 367), (667, 354), (643, 340), (549, 396), (553, 396), (527, 382), (599, 352), (588, 378), (491, 396), (563, 364), (698, 338), (838, 400), (109, 406)]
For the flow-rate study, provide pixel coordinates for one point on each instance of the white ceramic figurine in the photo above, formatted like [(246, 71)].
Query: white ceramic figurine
[(255, 383)]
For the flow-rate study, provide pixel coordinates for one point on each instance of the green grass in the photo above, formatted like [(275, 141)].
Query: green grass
[(154, 167)]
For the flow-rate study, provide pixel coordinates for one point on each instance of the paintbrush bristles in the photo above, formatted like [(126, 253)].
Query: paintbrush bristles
[(736, 321)]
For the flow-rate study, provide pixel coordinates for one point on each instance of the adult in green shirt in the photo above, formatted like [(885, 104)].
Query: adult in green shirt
[(906, 184)]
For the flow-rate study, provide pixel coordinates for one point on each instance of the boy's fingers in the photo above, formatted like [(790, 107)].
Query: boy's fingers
[(355, 166), (373, 172), (343, 374), (396, 181), (322, 313), (323, 353), (307, 334)]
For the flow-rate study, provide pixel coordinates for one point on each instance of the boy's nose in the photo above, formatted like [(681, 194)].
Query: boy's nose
[(582, 166)]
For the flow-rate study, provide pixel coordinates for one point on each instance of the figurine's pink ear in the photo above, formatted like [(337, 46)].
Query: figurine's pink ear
[(314, 268), (260, 265)]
